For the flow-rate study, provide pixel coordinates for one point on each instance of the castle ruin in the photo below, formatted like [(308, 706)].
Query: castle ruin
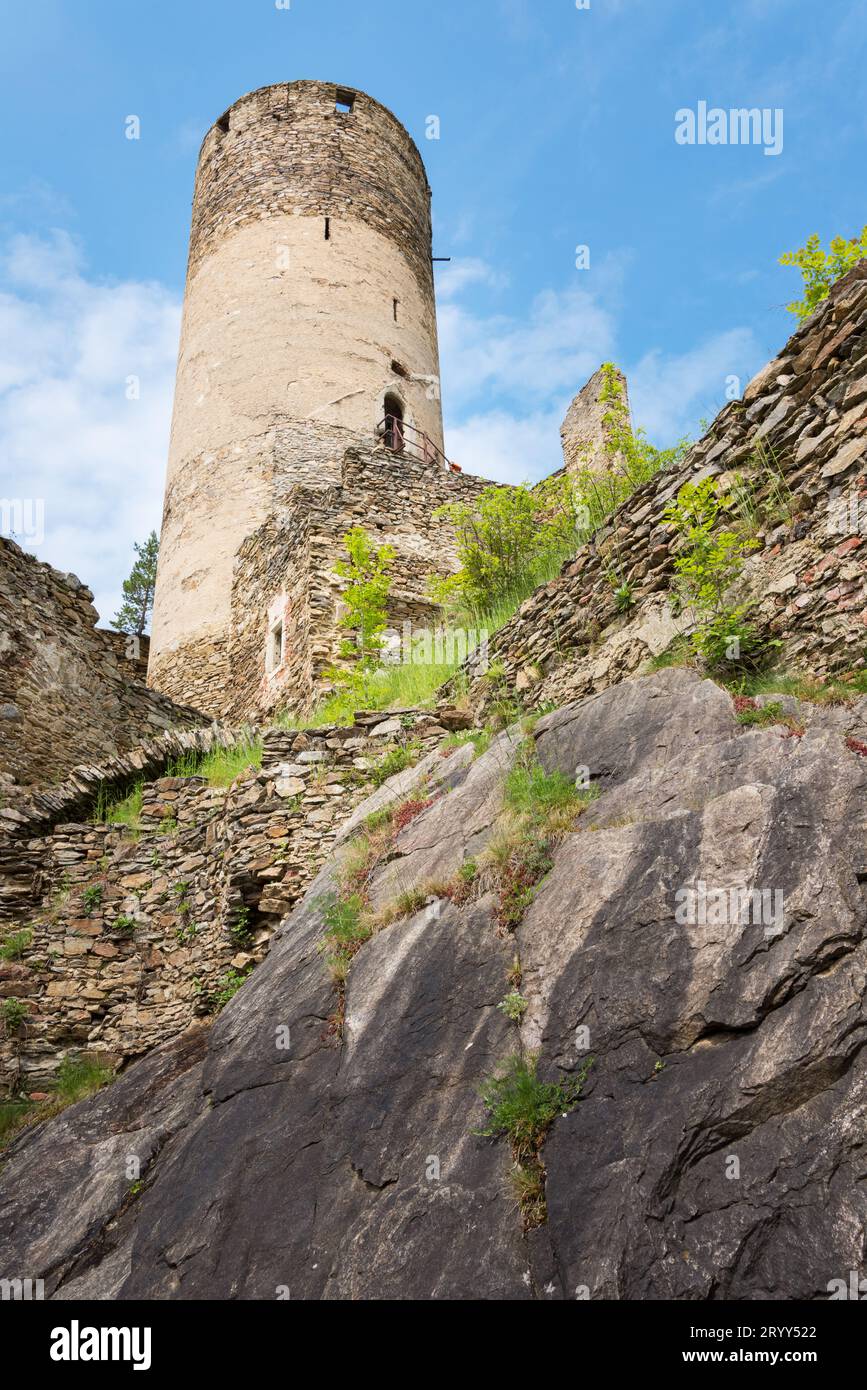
[(307, 397)]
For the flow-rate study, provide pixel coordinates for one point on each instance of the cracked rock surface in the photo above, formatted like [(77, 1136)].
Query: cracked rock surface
[(719, 1149)]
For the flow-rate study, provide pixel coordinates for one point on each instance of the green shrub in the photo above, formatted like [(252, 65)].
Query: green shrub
[(507, 538), (228, 987), (14, 1013), (240, 928), (13, 946), (91, 898), (514, 1006), (708, 564), (821, 268), (367, 572)]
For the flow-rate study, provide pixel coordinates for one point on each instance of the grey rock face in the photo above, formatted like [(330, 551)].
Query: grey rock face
[(719, 1148)]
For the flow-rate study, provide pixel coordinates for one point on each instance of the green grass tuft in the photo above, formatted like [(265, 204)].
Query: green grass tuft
[(522, 1108), (222, 766)]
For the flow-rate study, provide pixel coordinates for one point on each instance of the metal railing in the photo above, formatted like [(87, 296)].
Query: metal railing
[(401, 438)]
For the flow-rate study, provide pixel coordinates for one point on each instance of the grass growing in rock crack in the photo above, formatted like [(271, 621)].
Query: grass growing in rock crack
[(479, 738), (119, 810), (76, 1078), (222, 766), (522, 1109), (349, 918), (539, 808), (348, 926), (842, 689)]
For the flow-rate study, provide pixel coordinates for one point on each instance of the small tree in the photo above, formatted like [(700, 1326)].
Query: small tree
[(504, 539), (709, 563), (368, 575), (821, 268), (138, 591)]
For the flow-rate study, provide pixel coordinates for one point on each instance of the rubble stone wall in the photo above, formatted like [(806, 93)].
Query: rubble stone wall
[(70, 692), (132, 934)]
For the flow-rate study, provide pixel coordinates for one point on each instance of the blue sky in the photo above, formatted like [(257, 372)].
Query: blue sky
[(556, 130)]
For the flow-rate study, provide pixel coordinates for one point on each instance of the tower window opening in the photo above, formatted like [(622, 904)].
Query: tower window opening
[(344, 103), (223, 123), (328, 229), (399, 369), (394, 434), (276, 647), (394, 304)]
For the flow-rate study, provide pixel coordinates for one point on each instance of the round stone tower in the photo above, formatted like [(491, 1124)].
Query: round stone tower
[(309, 318)]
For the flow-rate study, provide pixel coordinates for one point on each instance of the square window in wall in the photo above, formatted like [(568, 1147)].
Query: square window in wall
[(276, 647), (344, 103)]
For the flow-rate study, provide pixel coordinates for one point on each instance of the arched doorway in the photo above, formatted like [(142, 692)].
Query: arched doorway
[(394, 434)]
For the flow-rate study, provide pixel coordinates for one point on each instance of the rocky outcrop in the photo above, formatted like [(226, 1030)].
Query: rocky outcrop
[(717, 1151)]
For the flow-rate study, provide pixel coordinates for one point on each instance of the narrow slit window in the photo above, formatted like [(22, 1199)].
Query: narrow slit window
[(328, 229), (394, 304), (275, 647)]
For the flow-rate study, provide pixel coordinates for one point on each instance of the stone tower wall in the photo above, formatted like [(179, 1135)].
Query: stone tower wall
[(286, 572), (586, 431), (309, 298)]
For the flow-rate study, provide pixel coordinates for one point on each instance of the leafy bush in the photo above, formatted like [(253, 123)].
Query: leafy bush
[(368, 575), (507, 538), (14, 1013), (514, 1006), (228, 987), (13, 946), (821, 268), (709, 563), (91, 898)]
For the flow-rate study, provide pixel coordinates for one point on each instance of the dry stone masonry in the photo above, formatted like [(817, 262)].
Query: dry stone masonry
[(134, 935), (70, 692)]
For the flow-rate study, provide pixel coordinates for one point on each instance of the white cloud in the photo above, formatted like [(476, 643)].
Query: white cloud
[(555, 348), (455, 276), (669, 393), (68, 433), (507, 381), (508, 448)]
